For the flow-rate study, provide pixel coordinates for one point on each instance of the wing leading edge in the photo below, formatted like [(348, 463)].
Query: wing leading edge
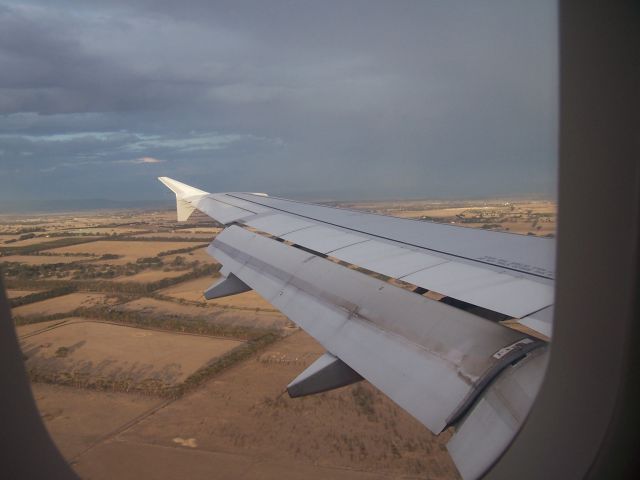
[(416, 308)]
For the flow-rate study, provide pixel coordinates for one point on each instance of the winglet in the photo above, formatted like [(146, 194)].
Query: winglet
[(184, 196)]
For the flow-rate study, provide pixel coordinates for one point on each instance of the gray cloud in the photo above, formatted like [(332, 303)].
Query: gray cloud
[(345, 99)]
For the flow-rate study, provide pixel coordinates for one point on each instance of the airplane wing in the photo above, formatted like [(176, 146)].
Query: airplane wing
[(451, 323)]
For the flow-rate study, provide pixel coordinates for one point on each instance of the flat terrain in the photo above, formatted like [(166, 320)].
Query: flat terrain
[(213, 373), (28, 329), (97, 351), (239, 425), (62, 304), (128, 251), (525, 217), (77, 418), (352, 427), (19, 293)]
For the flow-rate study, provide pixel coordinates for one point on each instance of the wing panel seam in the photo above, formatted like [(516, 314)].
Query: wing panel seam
[(399, 241)]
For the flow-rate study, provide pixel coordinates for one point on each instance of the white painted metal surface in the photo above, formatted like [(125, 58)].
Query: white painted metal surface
[(500, 292), (515, 298), (186, 197), (222, 212), (386, 258), (279, 224), (526, 254), (243, 204), (323, 239)]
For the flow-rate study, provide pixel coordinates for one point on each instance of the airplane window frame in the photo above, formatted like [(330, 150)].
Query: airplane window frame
[(582, 422)]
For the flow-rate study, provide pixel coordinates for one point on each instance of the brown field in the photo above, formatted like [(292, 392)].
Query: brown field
[(20, 293), (98, 350), (30, 328), (5, 238), (62, 304), (129, 251), (76, 418), (240, 425)]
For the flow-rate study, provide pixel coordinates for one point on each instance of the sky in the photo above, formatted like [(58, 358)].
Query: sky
[(304, 99)]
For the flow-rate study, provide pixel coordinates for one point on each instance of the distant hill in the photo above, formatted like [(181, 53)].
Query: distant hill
[(84, 204)]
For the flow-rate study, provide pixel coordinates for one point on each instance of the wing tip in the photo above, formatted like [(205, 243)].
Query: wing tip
[(182, 191)]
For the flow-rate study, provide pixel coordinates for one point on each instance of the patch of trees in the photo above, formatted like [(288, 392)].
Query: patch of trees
[(133, 238), (62, 352), (71, 234), (40, 318), (30, 230), (63, 254), (89, 272), (146, 288), (35, 277), (39, 296), (182, 250), (170, 322), (21, 271), (29, 284), (37, 247)]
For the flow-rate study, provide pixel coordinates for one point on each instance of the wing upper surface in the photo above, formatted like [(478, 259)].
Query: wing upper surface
[(419, 309), (507, 275), (521, 253)]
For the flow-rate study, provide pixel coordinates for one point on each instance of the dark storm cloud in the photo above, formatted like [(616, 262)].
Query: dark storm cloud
[(302, 98)]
